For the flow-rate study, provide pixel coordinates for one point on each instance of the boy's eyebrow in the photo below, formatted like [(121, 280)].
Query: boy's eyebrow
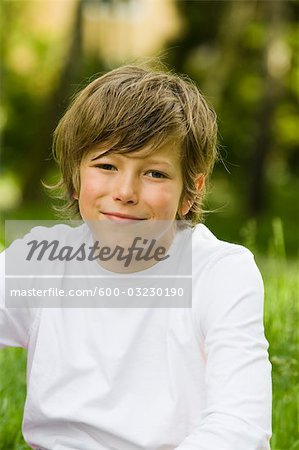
[(158, 161), (99, 155), (148, 160)]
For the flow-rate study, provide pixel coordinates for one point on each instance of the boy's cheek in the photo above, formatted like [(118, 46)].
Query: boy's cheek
[(89, 189), (166, 203)]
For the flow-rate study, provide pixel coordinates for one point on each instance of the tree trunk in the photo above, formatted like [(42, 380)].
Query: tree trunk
[(40, 155), (264, 138)]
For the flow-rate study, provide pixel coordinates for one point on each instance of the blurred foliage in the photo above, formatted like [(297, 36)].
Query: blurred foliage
[(244, 57)]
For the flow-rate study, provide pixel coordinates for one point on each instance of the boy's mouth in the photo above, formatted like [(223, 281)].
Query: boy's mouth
[(119, 217)]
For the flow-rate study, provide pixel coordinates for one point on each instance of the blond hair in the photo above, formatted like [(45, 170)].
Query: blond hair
[(128, 108)]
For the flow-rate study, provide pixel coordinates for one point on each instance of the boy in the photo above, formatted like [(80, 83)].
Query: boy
[(135, 149)]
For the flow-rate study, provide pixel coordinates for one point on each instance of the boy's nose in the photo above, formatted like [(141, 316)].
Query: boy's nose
[(126, 190)]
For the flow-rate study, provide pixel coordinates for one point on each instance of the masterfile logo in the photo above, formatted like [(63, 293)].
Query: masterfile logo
[(98, 265), (140, 250)]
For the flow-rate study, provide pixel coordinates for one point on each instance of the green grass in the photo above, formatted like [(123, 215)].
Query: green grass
[(12, 394), (281, 326)]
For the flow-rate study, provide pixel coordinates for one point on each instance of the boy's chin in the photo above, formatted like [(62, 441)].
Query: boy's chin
[(123, 233)]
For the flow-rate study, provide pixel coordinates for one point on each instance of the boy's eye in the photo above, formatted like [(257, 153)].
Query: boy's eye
[(156, 174), (106, 166)]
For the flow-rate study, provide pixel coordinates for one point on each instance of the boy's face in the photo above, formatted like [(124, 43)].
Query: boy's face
[(132, 187)]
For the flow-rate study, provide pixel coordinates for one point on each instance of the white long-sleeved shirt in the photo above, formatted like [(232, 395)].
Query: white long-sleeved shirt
[(146, 378)]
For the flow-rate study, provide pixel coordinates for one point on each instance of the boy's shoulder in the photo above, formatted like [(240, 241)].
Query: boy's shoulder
[(206, 247), (63, 232), (44, 238)]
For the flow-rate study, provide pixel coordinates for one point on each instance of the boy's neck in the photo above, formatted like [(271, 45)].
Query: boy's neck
[(132, 251)]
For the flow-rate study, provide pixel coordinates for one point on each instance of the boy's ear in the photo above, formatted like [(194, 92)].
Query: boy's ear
[(76, 184), (200, 182), (187, 204)]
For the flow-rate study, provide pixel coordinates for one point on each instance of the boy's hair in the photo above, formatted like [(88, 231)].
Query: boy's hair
[(128, 108)]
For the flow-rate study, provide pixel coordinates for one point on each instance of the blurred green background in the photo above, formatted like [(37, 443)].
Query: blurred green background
[(244, 57)]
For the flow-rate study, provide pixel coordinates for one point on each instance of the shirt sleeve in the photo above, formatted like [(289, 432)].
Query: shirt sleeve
[(14, 322), (229, 317)]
